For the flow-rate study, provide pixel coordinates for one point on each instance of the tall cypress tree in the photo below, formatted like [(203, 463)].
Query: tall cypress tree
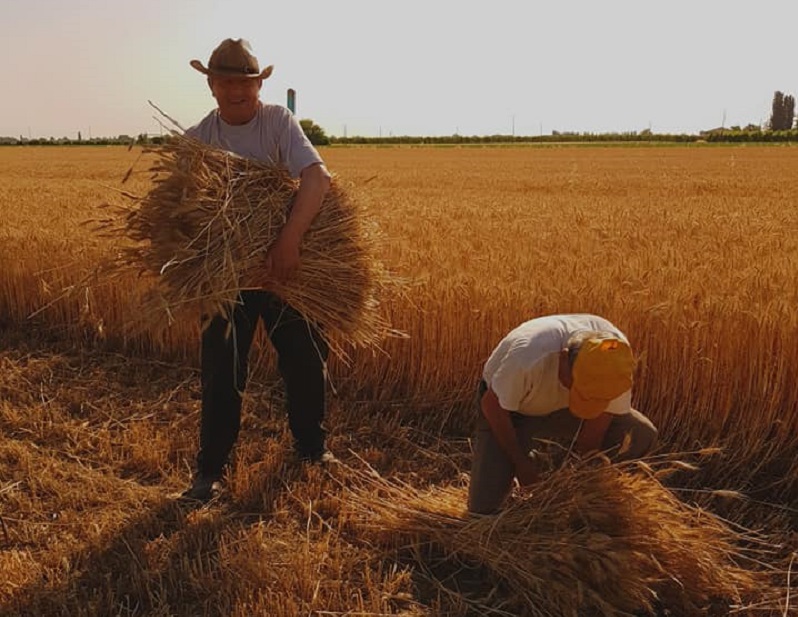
[(789, 111), (782, 114), (777, 111)]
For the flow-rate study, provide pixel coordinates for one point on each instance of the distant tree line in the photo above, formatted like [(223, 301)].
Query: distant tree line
[(780, 128), (749, 134), (555, 137), (119, 140), (754, 134)]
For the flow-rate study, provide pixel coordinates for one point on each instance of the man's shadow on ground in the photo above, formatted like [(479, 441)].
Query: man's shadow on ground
[(144, 569)]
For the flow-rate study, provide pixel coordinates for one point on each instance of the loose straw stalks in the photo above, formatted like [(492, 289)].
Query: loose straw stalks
[(202, 233), (588, 540)]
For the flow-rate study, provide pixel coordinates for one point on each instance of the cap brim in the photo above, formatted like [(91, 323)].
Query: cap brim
[(586, 408)]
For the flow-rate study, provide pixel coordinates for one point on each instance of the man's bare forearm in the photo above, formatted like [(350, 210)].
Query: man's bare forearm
[(313, 185)]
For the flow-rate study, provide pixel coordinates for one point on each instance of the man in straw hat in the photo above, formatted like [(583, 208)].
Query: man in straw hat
[(565, 379), (242, 124)]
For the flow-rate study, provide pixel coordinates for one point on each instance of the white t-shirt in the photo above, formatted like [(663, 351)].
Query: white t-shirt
[(523, 369), (273, 136)]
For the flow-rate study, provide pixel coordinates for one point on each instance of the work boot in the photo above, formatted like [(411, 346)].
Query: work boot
[(321, 457), (203, 489)]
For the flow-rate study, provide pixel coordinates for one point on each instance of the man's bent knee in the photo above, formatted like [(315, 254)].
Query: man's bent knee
[(491, 474)]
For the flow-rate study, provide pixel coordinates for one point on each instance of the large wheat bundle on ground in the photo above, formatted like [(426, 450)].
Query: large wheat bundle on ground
[(586, 541), (203, 231)]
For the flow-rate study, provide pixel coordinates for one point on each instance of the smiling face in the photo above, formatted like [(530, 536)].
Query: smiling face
[(237, 97)]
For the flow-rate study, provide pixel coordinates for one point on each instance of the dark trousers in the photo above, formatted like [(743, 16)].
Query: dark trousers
[(301, 360)]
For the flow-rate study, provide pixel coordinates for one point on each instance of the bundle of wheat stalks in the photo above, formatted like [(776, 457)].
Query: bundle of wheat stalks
[(203, 230), (604, 540)]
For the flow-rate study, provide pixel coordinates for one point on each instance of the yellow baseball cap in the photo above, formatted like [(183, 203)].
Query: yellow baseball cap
[(601, 372)]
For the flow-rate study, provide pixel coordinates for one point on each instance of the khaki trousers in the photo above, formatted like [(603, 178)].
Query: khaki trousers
[(550, 437)]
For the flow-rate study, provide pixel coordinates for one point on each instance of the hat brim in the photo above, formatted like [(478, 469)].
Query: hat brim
[(264, 74), (586, 408)]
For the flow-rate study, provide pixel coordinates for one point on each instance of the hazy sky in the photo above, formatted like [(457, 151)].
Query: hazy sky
[(431, 67)]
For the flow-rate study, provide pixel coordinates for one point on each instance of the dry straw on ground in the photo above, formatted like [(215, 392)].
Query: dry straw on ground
[(603, 540), (203, 231)]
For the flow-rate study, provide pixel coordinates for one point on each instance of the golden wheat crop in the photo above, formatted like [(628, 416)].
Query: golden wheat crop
[(692, 251)]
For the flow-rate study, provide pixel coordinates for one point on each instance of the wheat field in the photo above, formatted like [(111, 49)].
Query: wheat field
[(692, 251)]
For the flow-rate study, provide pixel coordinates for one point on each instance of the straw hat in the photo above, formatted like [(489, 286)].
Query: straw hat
[(233, 58)]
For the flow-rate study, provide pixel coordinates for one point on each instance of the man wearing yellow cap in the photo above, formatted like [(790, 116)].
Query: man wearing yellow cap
[(560, 378)]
